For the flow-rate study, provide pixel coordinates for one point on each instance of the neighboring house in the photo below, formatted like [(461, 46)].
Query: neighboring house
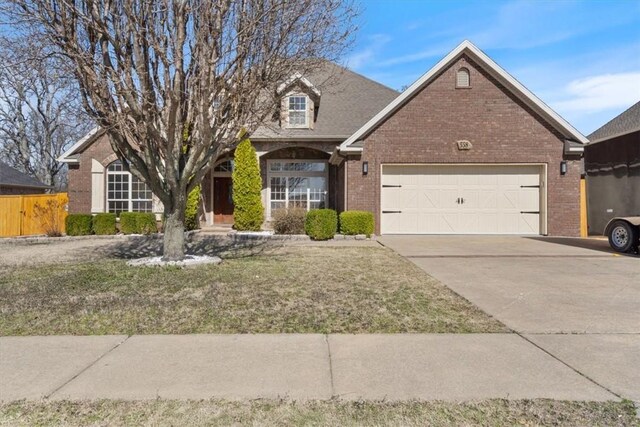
[(612, 166), (14, 182), (465, 149)]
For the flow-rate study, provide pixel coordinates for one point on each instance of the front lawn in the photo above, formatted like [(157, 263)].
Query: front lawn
[(331, 413), (293, 289)]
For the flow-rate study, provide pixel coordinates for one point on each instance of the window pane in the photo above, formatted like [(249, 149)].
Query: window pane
[(297, 103), (137, 206), (118, 206), (115, 166), (277, 205), (278, 188), (226, 166), (298, 194), (297, 117), (118, 184), (275, 166), (305, 166)]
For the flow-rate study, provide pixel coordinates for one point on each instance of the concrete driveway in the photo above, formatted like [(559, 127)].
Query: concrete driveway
[(573, 298), (535, 285)]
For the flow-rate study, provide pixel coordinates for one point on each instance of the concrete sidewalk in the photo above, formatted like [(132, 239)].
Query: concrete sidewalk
[(297, 366)]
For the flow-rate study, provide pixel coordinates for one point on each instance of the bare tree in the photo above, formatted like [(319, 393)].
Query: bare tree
[(175, 83), (40, 109)]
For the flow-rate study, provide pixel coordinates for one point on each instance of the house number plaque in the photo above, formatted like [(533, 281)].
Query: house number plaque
[(464, 145)]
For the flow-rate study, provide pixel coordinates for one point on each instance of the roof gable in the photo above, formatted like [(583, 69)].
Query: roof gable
[(303, 81), (623, 124), (348, 101), (89, 138), (466, 47)]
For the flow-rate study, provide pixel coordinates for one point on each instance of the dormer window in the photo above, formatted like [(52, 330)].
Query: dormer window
[(298, 111)]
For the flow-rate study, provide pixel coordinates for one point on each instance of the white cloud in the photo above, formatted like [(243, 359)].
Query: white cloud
[(413, 57), (368, 54), (599, 93)]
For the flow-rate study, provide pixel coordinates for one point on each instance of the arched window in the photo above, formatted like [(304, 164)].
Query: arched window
[(462, 78), (126, 192)]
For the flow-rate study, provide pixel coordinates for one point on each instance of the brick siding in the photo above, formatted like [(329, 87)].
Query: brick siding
[(79, 187), (500, 127)]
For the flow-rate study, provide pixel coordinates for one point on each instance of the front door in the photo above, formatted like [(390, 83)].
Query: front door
[(222, 200)]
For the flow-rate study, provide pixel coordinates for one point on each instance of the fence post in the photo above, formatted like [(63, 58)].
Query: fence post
[(22, 214)]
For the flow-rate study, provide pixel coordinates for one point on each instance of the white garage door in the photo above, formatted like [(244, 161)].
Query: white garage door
[(461, 199)]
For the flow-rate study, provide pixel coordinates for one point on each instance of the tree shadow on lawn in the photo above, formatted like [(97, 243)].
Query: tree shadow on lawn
[(225, 247)]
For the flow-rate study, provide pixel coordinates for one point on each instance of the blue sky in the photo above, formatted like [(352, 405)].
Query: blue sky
[(580, 57)]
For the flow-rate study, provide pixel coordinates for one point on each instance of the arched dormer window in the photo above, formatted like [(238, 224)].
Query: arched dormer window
[(462, 78), (126, 192)]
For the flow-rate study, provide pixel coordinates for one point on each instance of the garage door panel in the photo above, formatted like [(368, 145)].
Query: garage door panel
[(450, 199), (442, 223), (488, 223), (529, 199), (530, 223)]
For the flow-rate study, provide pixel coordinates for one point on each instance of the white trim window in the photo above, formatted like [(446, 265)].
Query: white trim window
[(126, 192), (298, 111), (297, 184)]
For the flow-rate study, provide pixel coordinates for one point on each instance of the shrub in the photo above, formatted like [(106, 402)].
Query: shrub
[(128, 223), (138, 223), (147, 223), (191, 213), (356, 222), (79, 224), (321, 224), (289, 221), (104, 223), (50, 214), (248, 212)]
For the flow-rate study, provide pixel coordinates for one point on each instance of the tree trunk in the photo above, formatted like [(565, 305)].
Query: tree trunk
[(173, 247)]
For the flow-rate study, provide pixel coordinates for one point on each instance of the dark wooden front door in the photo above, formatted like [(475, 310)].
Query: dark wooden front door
[(222, 200)]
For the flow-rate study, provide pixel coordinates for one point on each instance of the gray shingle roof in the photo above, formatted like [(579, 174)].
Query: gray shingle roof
[(348, 100), (628, 121), (14, 178)]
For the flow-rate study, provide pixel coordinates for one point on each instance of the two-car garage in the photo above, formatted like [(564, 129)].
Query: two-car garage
[(463, 199)]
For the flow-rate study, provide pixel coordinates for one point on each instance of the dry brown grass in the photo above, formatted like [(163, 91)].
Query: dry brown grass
[(294, 289), (332, 413)]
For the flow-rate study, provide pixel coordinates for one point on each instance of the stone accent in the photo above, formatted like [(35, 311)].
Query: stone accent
[(500, 127)]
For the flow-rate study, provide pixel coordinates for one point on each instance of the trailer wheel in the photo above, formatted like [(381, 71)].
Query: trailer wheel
[(623, 237)]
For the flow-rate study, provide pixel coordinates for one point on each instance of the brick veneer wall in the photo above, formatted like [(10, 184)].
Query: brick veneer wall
[(499, 126), (79, 187)]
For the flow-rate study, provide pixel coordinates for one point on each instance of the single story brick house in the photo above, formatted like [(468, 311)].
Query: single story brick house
[(465, 149), (14, 182), (612, 167)]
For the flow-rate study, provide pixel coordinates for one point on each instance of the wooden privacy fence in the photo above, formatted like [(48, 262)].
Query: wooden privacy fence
[(32, 214)]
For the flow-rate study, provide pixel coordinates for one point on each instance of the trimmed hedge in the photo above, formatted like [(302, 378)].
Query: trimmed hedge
[(357, 222), (191, 220), (104, 223), (321, 224), (289, 221), (79, 224), (248, 212), (138, 223)]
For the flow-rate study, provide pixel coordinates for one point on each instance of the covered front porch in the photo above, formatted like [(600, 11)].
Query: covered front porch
[(297, 176)]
